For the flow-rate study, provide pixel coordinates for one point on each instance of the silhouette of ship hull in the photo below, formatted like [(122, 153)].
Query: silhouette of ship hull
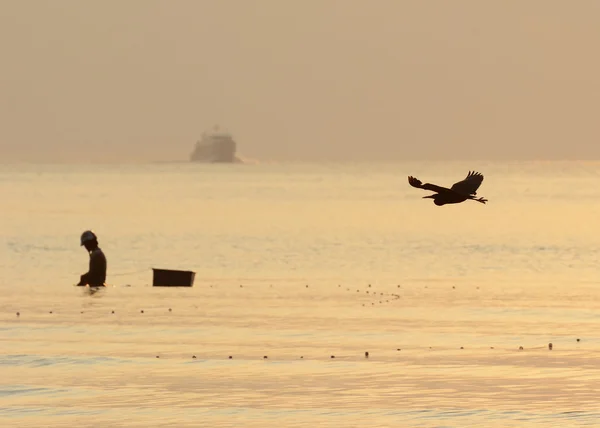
[(215, 147)]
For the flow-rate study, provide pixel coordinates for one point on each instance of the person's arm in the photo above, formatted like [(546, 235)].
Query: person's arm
[(84, 279)]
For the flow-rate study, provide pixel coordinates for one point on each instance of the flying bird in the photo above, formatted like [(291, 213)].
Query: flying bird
[(459, 192)]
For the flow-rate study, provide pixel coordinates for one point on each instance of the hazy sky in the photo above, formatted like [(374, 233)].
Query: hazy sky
[(300, 79)]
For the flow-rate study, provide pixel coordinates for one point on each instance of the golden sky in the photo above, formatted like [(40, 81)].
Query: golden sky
[(300, 79)]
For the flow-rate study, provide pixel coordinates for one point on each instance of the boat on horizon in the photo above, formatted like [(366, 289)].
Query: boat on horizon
[(215, 147)]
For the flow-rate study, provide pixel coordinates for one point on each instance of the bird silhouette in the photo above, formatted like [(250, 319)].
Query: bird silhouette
[(459, 192)]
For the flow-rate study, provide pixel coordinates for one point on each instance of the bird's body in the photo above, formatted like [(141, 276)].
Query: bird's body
[(459, 192)]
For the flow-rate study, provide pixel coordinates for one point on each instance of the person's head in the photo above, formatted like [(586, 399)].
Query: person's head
[(89, 240)]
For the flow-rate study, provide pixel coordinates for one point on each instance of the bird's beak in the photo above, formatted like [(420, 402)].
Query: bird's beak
[(428, 197)]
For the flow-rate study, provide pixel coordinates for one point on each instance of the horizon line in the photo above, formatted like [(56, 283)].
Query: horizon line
[(249, 162)]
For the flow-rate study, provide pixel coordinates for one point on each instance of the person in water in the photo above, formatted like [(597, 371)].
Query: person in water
[(96, 276)]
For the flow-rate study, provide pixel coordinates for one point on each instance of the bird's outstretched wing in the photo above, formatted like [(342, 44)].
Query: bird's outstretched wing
[(415, 182), (469, 185)]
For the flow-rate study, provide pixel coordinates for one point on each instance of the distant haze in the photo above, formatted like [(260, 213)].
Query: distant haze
[(300, 80)]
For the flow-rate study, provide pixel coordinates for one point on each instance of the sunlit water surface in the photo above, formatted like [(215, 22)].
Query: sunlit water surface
[(301, 270)]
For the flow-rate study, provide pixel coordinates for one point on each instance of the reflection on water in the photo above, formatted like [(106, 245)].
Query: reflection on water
[(311, 267), (103, 361)]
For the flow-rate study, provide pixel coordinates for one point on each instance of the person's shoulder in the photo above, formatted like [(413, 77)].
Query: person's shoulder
[(97, 252)]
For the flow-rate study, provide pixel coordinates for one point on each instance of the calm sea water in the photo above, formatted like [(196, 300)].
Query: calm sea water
[(300, 263)]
